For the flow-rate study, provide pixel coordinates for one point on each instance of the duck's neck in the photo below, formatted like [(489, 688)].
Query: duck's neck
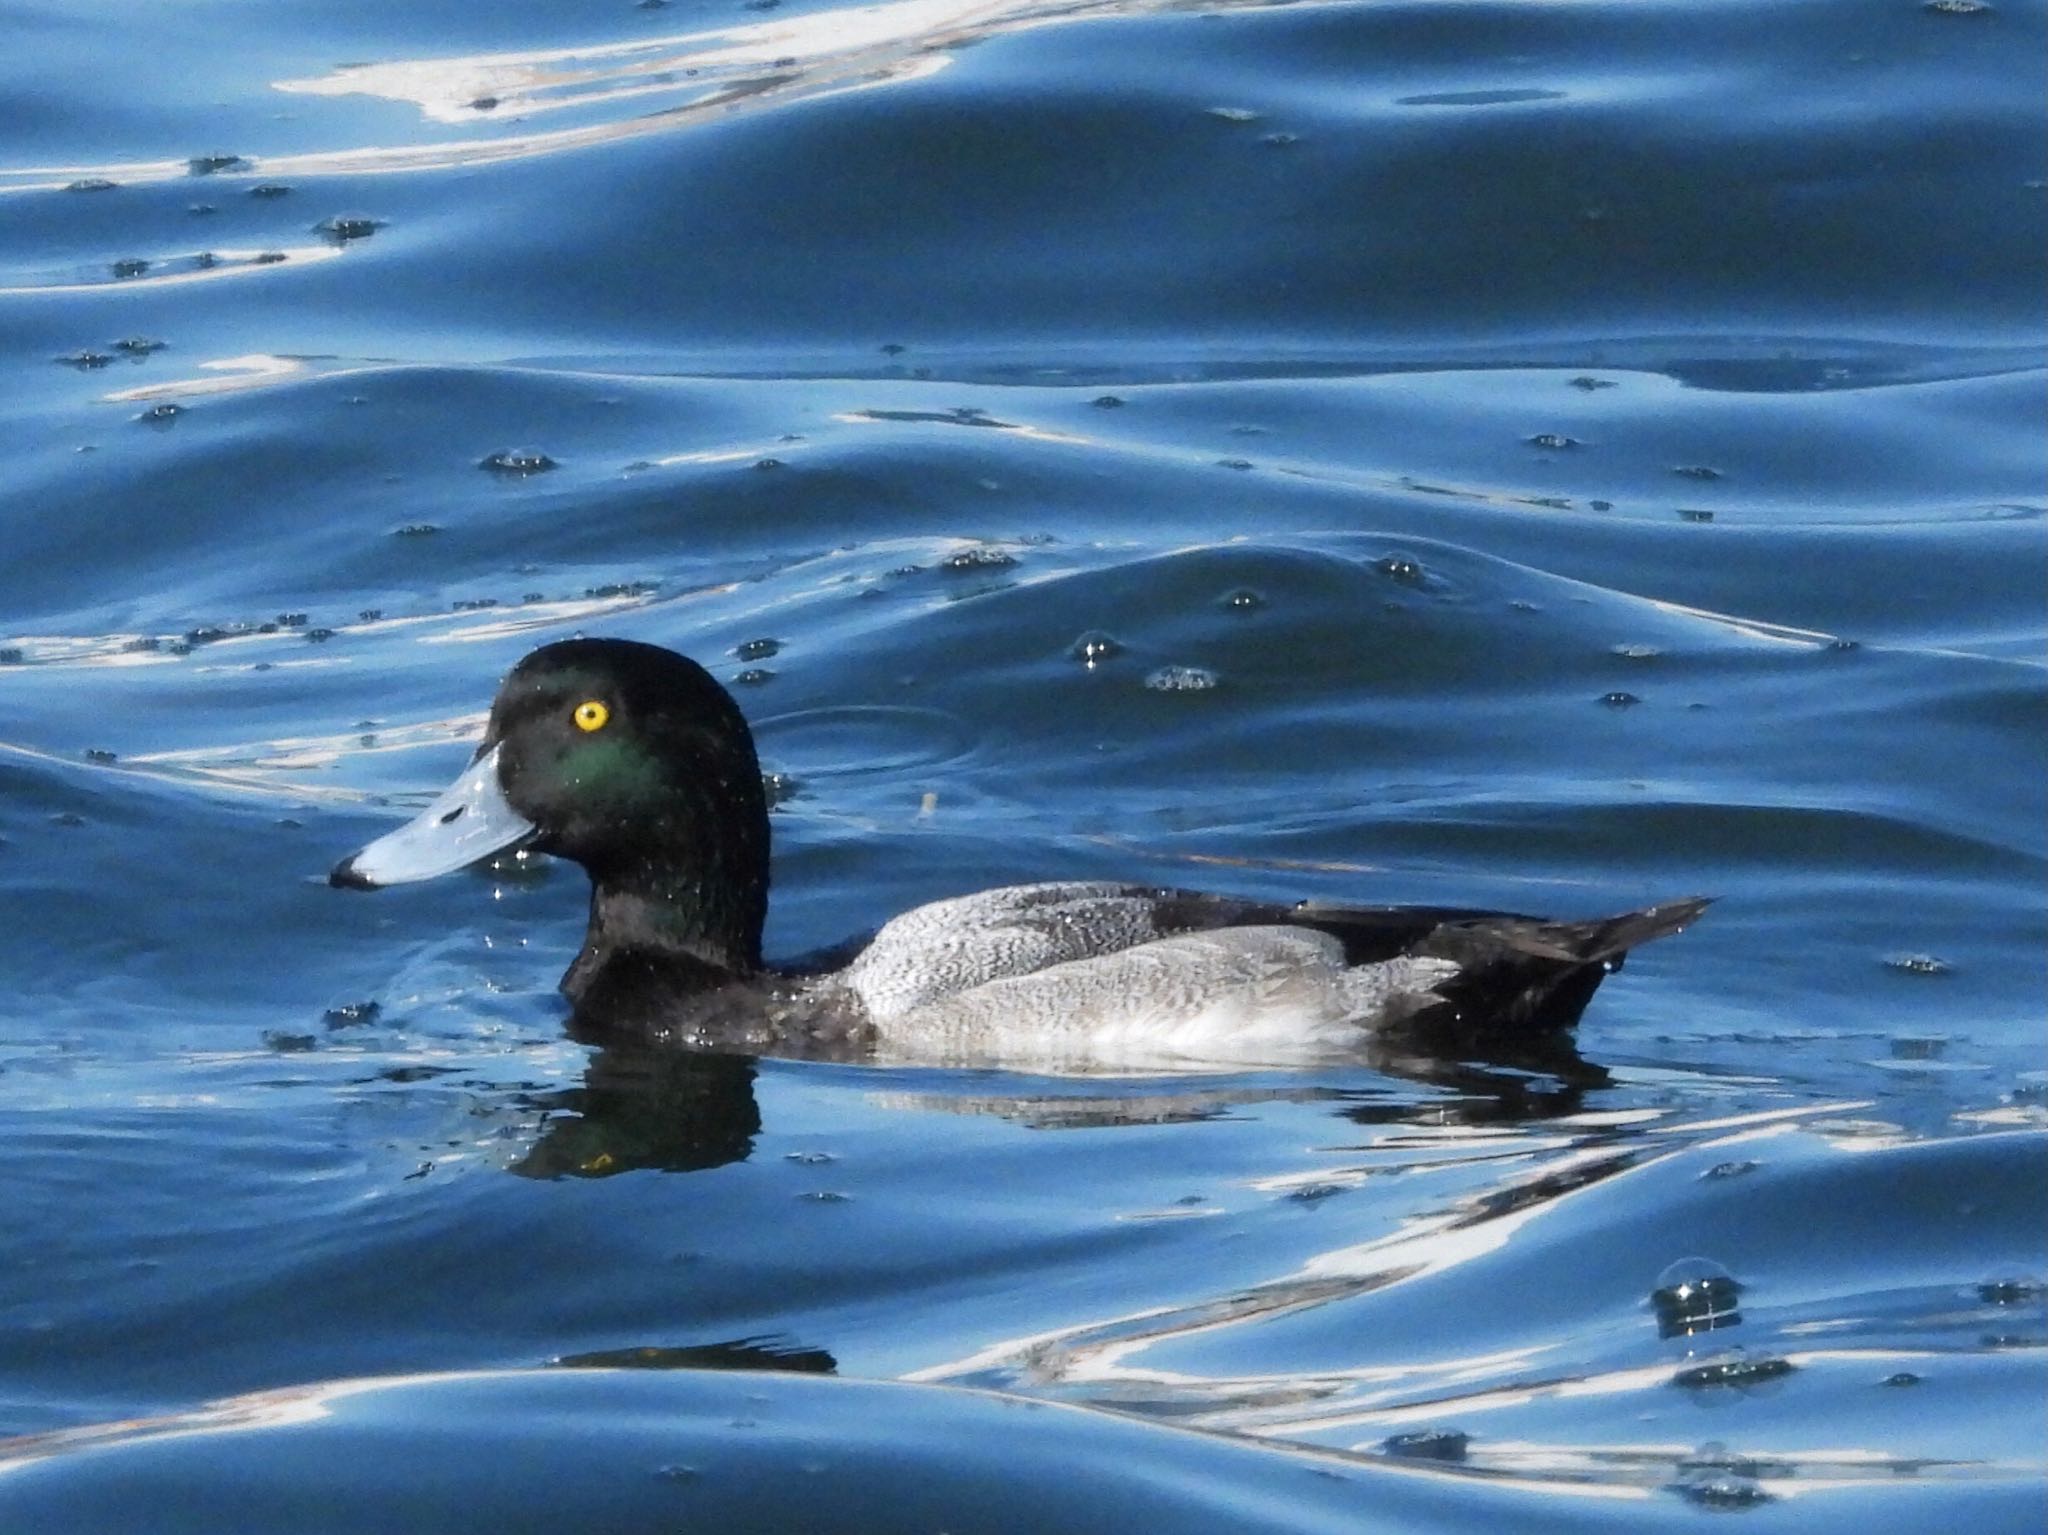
[(690, 909)]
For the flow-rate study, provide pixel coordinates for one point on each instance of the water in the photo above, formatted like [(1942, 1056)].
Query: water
[(1593, 453)]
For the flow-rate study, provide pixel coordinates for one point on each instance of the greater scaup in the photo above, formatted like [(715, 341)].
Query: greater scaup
[(633, 761)]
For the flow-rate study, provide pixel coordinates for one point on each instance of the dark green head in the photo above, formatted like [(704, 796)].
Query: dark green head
[(632, 761)]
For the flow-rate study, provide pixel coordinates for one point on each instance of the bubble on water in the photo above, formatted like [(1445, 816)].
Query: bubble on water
[(91, 184), (1737, 1368), (162, 414), (415, 530), (1696, 471), (319, 636), (268, 190), (214, 165), (1235, 114), (980, 558), (1713, 1478), (1636, 652), (1244, 600), (1181, 679), (1588, 383), (825, 1197), (343, 228), (100, 755), (1619, 700), (1902, 1378), (1279, 140), (86, 361), (517, 461), (809, 1158), (1695, 1295), (1427, 1444), (767, 463), (752, 677), (1733, 1169), (201, 210), (2012, 1286), (780, 788), (1401, 567), (1107, 402), (351, 1014), (129, 266), (139, 346), (1695, 514), (1094, 647), (756, 650), (1918, 964), (1958, 7), (1553, 441)]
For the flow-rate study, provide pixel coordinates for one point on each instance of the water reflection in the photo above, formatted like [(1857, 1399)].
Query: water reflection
[(671, 1107), (642, 1107), (626, 88), (741, 1354)]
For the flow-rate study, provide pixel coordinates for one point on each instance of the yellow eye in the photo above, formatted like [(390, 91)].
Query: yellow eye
[(591, 715)]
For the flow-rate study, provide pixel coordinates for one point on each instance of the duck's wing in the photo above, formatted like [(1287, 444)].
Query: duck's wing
[(1233, 996), (939, 950), (1511, 974), (946, 947)]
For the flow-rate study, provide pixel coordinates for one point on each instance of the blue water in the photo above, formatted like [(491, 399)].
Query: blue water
[(1594, 450)]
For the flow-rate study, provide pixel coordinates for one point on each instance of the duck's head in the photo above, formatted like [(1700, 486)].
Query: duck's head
[(630, 760)]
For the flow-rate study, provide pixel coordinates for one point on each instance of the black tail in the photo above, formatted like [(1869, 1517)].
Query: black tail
[(1520, 976)]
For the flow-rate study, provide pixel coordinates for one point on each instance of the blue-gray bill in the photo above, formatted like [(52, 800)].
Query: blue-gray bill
[(471, 820)]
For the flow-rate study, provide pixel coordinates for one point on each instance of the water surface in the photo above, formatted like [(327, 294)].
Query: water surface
[(1593, 450)]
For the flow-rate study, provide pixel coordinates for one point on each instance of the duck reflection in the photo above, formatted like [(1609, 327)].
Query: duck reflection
[(641, 1106), (675, 1108)]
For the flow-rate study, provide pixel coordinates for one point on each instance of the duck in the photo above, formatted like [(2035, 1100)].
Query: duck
[(634, 762)]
